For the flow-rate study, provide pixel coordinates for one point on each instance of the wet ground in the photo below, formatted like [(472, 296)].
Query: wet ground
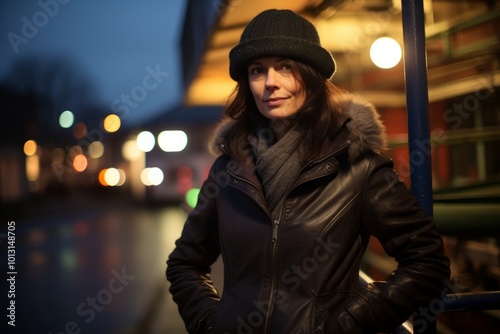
[(91, 265)]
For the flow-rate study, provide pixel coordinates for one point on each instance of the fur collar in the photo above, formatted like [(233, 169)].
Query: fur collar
[(367, 133)]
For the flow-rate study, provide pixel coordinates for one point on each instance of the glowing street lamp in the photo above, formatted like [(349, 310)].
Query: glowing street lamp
[(385, 52)]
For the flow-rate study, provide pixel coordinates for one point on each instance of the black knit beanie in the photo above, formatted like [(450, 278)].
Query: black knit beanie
[(280, 33)]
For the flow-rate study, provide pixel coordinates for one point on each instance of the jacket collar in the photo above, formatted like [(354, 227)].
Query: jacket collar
[(247, 171), (361, 131)]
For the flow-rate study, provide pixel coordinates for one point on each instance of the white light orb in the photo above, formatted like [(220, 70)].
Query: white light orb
[(145, 141), (172, 140), (385, 52)]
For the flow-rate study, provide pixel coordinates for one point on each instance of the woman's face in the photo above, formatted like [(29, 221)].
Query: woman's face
[(276, 92)]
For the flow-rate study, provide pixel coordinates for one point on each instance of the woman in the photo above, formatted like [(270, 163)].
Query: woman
[(300, 185)]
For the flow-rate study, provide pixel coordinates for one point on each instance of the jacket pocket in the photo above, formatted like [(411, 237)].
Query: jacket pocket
[(215, 316), (326, 304), (320, 321)]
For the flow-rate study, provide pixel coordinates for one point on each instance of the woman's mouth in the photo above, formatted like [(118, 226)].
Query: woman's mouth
[(275, 101)]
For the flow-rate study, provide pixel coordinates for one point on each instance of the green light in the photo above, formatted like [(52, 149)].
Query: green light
[(192, 197), (68, 259), (66, 119)]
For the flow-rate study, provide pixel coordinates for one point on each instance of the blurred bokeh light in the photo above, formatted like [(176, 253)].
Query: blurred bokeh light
[(96, 149), (80, 163), (66, 119), (30, 147), (152, 176), (172, 140), (145, 141), (112, 123)]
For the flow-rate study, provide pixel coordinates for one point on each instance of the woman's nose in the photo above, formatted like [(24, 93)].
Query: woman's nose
[(272, 80)]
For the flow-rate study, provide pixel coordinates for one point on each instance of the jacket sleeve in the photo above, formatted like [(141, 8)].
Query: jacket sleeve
[(391, 214), (189, 265)]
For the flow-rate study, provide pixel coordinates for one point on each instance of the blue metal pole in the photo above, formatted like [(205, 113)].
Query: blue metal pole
[(479, 301), (417, 100)]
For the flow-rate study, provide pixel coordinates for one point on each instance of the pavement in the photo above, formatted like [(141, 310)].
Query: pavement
[(91, 265)]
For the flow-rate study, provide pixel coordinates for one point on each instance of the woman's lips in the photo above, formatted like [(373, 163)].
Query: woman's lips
[(274, 102)]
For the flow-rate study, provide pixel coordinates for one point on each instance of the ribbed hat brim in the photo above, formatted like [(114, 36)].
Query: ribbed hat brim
[(280, 46)]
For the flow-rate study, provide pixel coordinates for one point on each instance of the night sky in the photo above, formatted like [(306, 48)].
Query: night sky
[(95, 57)]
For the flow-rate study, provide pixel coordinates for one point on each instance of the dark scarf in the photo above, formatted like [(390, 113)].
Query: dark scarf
[(277, 163)]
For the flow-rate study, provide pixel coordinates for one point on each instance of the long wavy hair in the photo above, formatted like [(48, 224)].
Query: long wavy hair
[(317, 119)]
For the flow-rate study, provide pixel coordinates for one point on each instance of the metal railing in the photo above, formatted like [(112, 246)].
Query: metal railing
[(418, 133), (455, 302)]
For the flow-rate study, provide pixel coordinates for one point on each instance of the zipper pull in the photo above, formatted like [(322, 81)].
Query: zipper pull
[(275, 231)]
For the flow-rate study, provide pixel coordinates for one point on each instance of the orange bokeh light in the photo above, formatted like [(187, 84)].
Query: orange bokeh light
[(80, 163), (102, 180)]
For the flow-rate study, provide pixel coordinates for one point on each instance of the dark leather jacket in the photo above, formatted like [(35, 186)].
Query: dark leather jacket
[(299, 273)]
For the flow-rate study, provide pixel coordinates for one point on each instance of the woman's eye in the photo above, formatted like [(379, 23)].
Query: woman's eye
[(286, 67), (256, 70)]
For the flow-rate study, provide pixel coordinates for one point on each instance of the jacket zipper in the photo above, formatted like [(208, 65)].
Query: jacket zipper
[(274, 238), (275, 231), (270, 299)]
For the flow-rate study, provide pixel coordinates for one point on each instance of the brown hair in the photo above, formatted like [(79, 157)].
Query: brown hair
[(318, 118)]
